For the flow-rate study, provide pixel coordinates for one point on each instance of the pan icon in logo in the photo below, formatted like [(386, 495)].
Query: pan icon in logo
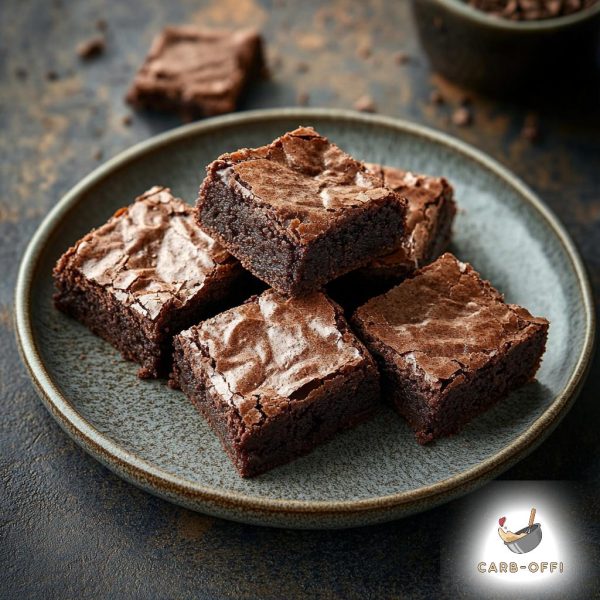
[(524, 540)]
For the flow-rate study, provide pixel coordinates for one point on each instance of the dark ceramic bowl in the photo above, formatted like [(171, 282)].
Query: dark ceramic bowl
[(499, 56)]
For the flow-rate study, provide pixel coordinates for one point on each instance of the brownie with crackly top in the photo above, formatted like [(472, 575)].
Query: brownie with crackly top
[(275, 377), (448, 346), (428, 229), (145, 275), (197, 72), (430, 212), (299, 212)]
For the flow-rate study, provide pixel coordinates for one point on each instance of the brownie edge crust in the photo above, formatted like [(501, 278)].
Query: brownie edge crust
[(299, 212), (275, 377), (448, 346)]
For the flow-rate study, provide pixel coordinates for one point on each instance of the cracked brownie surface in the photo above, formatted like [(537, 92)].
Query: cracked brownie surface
[(429, 215), (449, 346), (143, 276), (299, 212), (276, 376), (197, 71)]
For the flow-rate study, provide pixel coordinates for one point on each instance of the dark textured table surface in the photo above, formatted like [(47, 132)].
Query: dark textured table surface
[(68, 527)]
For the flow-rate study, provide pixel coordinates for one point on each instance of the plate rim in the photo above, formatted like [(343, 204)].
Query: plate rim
[(202, 497)]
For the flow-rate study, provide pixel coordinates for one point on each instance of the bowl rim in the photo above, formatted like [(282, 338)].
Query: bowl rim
[(216, 501), (461, 8)]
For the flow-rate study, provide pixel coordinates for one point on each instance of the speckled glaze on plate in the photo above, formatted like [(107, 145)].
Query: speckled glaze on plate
[(152, 436)]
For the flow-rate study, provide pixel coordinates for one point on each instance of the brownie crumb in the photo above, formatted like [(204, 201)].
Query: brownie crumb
[(365, 104), (97, 154), (101, 25), (436, 97), (127, 120), (462, 116), (302, 67), (302, 98), (530, 130), (401, 58), (91, 48), (51, 75)]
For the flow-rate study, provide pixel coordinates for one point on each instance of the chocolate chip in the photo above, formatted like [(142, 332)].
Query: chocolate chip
[(21, 73), (51, 75), (127, 120), (302, 67), (101, 25), (530, 10), (97, 154)]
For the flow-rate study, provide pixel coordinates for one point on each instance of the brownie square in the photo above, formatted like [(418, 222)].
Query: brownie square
[(430, 212), (428, 229), (197, 72), (275, 377), (299, 212), (448, 346), (142, 277)]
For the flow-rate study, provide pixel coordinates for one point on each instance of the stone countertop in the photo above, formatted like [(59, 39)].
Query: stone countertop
[(68, 527)]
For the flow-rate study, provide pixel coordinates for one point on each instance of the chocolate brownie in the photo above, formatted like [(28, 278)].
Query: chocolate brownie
[(142, 277), (196, 71), (448, 346), (430, 212), (299, 212), (275, 377)]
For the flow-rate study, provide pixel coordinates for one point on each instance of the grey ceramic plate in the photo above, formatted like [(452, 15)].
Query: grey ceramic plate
[(152, 436)]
